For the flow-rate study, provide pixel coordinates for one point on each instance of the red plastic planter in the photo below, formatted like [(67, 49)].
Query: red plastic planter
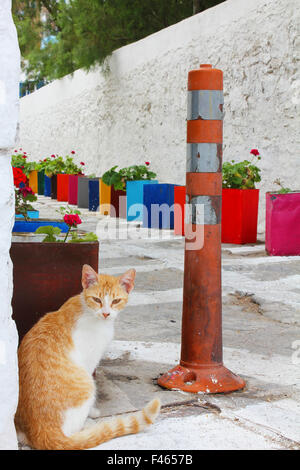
[(179, 204), (239, 215), (283, 224), (62, 187)]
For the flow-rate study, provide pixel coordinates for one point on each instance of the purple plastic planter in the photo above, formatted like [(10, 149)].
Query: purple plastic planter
[(283, 224)]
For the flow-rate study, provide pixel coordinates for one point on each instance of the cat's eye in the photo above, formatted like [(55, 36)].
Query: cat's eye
[(116, 301), (96, 299)]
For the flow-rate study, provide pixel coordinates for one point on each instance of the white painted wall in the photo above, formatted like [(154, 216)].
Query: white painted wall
[(136, 111), (9, 111)]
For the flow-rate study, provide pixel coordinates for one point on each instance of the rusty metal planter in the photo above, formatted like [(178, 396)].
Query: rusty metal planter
[(45, 276)]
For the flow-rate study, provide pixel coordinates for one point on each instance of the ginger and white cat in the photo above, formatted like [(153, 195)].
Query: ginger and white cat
[(57, 358)]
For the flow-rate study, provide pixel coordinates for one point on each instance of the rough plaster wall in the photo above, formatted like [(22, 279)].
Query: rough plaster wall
[(136, 110), (9, 89)]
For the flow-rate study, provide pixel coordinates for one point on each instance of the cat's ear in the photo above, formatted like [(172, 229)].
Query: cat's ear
[(89, 276), (127, 280)]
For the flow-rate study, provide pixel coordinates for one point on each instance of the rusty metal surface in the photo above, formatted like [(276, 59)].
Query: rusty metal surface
[(201, 368), (45, 275)]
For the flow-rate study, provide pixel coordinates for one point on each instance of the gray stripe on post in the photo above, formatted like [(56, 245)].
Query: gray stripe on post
[(204, 210), (205, 104), (204, 158)]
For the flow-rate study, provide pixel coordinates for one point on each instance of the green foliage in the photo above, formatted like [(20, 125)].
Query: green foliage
[(67, 210), (19, 160), (53, 166), (132, 173), (88, 237), (85, 32), (241, 175), (282, 190), (50, 231)]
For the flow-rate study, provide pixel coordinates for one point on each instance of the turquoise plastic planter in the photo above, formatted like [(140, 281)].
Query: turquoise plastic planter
[(159, 206), (30, 214), (31, 226), (135, 198)]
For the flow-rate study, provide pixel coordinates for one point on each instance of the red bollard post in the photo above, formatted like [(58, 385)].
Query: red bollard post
[(201, 366)]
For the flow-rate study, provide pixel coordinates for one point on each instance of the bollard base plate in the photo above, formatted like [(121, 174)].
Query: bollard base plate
[(203, 379)]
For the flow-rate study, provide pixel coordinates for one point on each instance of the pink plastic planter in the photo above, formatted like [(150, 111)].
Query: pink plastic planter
[(73, 189), (283, 224)]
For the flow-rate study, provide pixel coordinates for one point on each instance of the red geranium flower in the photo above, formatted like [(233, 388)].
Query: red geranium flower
[(72, 220), (254, 152), (73, 152), (19, 176), (24, 156), (147, 163), (53, 156), (81, 163)]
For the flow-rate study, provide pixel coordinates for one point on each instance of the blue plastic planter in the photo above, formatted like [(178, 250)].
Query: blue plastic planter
[(159, 202), (31, 226), (94, 194), (30, 214), (135, 198), (47, 186)]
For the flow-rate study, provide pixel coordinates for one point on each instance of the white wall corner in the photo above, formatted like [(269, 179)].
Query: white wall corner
[(9, 115)]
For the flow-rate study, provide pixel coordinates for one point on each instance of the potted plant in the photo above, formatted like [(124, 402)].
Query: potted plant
[(104, 197), (48, 272), (24, 196), (133, 179), (44, 181), (73, 185), (52, 167), (159, 206), (137, 177), (282, 221), (240, 200), (20, 160), (70, 168), (83, 190)]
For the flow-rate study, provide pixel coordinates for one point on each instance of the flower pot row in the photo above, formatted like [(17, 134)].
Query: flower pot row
[(239, 219), (159, 205)]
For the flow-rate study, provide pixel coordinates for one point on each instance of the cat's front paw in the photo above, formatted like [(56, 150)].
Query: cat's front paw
[(94, 412)]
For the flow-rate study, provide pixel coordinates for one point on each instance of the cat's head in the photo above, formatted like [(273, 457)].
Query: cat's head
[(106, 295)]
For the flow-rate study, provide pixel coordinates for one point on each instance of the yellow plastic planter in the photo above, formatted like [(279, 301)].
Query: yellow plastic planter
[(104, 198), (33, 181)]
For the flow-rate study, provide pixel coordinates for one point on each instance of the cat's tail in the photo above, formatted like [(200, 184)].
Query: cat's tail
[(109, 429)]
